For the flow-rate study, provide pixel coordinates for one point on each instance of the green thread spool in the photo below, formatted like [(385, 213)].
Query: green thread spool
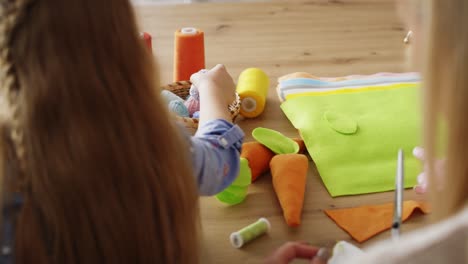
[(250, 232)]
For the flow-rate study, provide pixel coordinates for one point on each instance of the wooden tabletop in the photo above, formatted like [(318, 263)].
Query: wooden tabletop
[(325, 38)]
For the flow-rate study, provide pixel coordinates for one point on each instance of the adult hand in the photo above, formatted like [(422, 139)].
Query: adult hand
[(423, 182), (297, 250)]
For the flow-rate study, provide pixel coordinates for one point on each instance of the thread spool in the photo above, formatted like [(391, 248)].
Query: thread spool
[(189, 53), (194, 92), (193, 101), (250, 232), (192, 105), (169, 96), (179, 108), (147, 39), (252, 88)]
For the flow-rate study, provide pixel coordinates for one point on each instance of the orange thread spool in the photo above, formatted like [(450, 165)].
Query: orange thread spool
[(189, 53)]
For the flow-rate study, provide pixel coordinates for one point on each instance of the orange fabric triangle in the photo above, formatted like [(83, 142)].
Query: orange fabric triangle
[(365, 222), (289, 174), (258, 156)]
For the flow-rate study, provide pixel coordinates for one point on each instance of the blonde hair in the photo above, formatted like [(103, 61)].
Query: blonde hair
[(446, 101), (86, 133)]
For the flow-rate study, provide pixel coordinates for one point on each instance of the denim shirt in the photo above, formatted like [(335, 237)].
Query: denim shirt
[(215, 151)]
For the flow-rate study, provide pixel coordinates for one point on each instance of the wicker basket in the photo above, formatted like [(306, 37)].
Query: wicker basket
[(182, 89)]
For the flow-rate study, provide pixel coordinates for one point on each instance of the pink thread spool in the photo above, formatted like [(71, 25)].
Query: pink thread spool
[(146, 37), (193, 102)]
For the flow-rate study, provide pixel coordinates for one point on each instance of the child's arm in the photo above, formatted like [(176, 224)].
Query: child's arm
[(215, 150), (217, 143)]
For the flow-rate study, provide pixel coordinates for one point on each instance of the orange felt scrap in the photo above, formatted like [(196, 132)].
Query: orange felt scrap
[(258, 156), (365, 222), (289, 174)]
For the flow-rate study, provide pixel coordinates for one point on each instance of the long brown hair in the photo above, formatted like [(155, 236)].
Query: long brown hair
[(446, 101), (102, 175)]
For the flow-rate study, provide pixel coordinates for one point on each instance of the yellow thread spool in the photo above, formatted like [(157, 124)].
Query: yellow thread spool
[(252, 88)]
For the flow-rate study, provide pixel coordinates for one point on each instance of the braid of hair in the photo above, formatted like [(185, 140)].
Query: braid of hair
[(11, 14)]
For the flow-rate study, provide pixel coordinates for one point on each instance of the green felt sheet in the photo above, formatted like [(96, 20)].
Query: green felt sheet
[(364, 161), (275, 141)]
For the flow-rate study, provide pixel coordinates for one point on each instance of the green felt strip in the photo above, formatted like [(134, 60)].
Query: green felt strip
[(364, 162), (245, 176), (232, 195), (275, 141), (237, 191)]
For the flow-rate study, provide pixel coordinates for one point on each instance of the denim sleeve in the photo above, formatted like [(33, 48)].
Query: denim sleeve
[(215, 150)]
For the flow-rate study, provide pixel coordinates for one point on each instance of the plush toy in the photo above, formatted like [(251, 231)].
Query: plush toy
[(274, 140), (193, 101), (302, 146), (289, 174), (288, 170), (169, 96), (175, 103), (258, 156), (237, 191), (179, 108)]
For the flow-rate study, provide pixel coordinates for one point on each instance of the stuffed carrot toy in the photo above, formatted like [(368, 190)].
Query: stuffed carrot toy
[(289, 173), (258, 156), (302, 147)]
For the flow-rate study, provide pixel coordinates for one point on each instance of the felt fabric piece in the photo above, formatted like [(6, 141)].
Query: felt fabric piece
[(302, 84), (237, 191), (306, 75), (194, 93), (274, 140), (232, 195), (364, 162), (192, 105), (343, 251), (365, 222), (341, 123), (289, 174), (258, 156)]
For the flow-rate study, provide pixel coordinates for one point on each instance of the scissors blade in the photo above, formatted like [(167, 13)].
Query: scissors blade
[(398, 202)]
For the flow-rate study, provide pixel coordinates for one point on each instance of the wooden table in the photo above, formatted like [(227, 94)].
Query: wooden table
[(325, 38)]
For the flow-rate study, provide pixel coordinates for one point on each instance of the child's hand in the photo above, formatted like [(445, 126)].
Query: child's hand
[(215, 82), (217, 90), (296, 250)]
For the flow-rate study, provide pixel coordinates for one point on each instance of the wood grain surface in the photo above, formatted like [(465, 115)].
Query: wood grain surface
[(325, 38)]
